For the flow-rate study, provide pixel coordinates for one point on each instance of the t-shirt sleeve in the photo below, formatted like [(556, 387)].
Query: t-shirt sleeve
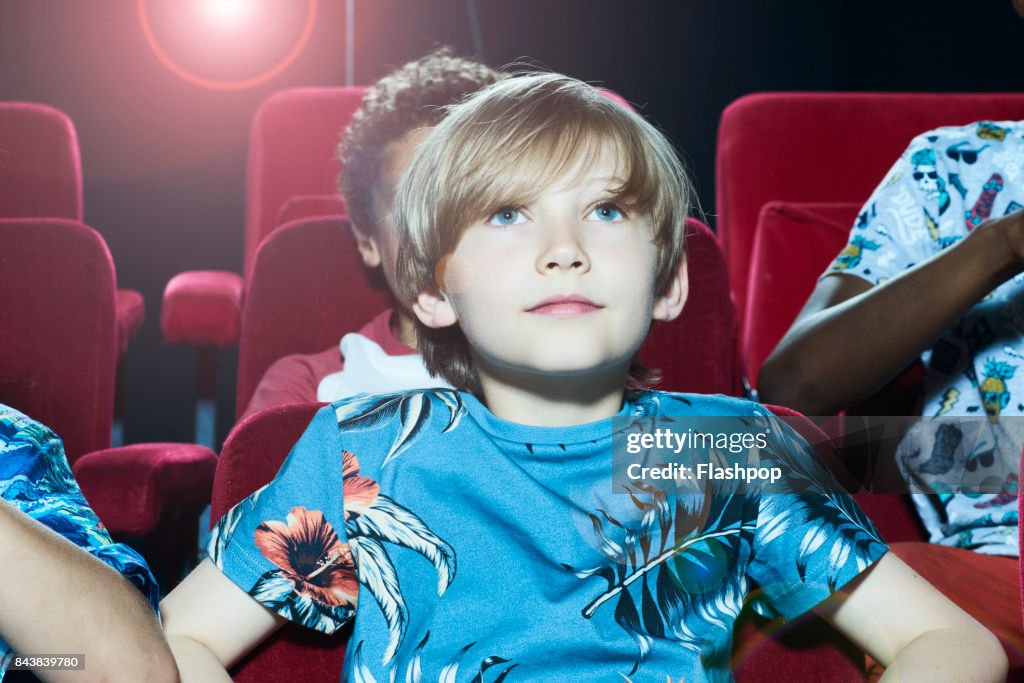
[(285, 545), (293, 379), (899, 226), (810, 537), (36, 478)]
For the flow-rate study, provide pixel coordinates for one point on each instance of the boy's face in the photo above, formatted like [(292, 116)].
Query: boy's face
[(378, 245), (563, 285)]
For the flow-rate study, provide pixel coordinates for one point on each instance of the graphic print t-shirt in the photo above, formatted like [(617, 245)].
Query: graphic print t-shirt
[(945, 185)]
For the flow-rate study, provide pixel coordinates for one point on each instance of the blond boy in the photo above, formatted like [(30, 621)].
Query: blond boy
[(476, 530)]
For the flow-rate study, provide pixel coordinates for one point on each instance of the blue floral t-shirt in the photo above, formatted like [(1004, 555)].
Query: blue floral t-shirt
[(463, 543), (945, 184), (35, 478)]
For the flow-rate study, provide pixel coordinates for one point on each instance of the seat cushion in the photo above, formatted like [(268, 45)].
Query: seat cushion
[(203, 307), (794, 243)]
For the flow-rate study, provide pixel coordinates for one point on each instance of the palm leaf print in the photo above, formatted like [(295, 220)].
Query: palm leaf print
[(451, 669), (387, 521), (455, 408), (369, 411), (225, 527), (851, 532), (360, 672), (372, 519), (376, 571), (414, 670), (278, 593), (652, 562)]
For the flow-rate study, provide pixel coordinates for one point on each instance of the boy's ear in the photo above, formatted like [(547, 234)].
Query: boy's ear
[(434, 310), (366, 242), (669, 305)]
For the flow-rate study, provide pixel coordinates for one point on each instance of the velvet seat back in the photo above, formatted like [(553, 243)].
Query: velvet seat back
[(292, 153), (40, 168), (822, 147), (698, 351), (58, 328), (307, 288)]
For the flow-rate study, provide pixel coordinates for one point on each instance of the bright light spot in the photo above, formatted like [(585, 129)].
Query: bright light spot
[(227, 13)]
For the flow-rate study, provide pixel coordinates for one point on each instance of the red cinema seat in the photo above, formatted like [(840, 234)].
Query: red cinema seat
[(793, 244), (249, 459), (41, 177), (58, 339), (292, 171), (698, 351), (307, 289), (821, 147)]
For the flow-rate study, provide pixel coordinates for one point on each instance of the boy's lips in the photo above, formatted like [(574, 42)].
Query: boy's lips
[(564, 305)]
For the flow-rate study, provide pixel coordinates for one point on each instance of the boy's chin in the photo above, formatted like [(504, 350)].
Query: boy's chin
[(571, 372)]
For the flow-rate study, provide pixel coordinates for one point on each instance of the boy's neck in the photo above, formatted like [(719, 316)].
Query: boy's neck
[(402, 326), (553, 400)]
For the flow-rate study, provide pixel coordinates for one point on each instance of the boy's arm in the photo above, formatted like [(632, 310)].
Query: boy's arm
[(55, 598), (851, 338), (913, 630), (211, 623)]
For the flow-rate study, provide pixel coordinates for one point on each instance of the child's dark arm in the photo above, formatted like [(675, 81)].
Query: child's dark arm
[(852, 337), (913, 630), (58, 599), (211, 623)]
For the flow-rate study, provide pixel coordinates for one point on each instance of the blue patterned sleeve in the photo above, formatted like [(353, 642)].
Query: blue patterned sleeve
[(285, 545), (901, 224), (35, 477), (810, 538)]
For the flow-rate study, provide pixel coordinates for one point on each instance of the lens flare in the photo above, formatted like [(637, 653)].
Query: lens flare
[(231, 17), (227, 14)]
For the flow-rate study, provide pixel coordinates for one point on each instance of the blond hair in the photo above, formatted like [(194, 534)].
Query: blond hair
[(506, 145)]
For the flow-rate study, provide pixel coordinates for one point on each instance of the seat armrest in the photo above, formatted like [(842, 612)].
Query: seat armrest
[(203, 307)]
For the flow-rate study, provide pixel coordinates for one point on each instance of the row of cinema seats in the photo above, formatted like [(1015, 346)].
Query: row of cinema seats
[(64, 330), (792, 171)]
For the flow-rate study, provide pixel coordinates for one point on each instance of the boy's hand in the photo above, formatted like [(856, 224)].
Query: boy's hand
[(913, 630)]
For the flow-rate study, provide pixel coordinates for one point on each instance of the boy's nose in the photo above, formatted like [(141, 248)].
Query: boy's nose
[(563, 251)]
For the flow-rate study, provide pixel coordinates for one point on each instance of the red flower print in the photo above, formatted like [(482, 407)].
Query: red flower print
[(360, 492), (309, 553)]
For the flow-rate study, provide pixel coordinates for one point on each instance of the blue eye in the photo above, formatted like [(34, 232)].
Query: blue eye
[(607, 213), (506, 216)]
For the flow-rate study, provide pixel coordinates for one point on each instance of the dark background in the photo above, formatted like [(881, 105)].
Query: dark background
[(164, 159)]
